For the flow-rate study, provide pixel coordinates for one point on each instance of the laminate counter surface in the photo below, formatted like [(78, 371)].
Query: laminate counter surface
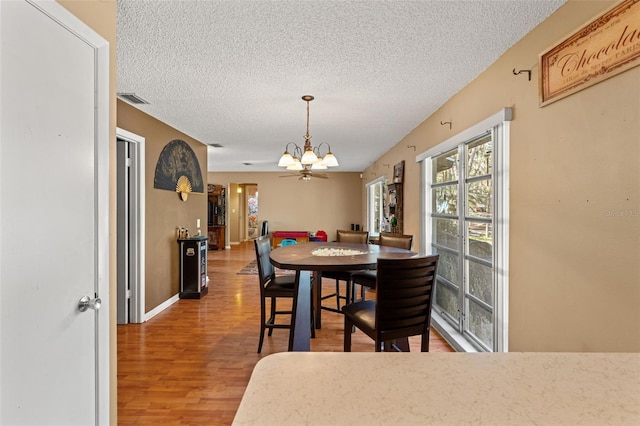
[(327, 388)]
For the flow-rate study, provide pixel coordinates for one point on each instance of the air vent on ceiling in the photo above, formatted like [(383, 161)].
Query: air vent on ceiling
[(132, 98), (248, 164), (215, 145)]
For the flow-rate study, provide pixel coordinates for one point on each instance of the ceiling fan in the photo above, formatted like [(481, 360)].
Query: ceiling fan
[(305, 159), (306, 174)]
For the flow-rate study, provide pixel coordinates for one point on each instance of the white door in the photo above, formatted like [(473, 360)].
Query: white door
[(54, 132)]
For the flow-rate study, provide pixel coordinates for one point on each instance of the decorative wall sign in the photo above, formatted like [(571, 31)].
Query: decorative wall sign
[(398, 172), (177, 160), (606, 46)]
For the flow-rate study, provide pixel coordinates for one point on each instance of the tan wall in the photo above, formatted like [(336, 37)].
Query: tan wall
[(233, 213), (574, 268), (165, 211), (101, 17), (292, 205)]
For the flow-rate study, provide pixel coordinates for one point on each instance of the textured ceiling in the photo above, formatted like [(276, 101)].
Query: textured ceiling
[(232, 72)]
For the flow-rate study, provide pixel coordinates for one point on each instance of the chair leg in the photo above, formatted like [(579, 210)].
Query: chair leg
[(294, 308), (313, 318), (338, 295), (347, 334), (349, 290), (262, 323), (272, 316), (424, 344)]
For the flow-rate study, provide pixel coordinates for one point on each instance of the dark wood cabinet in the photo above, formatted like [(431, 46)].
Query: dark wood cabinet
[(216, 218), (216, 237), (193, 268)]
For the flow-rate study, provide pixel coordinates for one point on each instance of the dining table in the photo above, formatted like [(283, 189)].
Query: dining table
[(311, 259)]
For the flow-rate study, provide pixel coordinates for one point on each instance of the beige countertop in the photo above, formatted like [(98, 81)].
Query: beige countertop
[(332, 388)]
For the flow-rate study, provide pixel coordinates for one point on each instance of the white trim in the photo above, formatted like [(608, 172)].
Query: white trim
[(425, 201), (227, 219), (161, 307), (501, 235), (368, 185), (451, 335), (499, 117), (376, 180), (103, 373), (101, 47), (139, 293), (499, 123)]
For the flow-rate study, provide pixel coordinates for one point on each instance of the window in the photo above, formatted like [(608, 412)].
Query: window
[(466, 222), (375, 206)]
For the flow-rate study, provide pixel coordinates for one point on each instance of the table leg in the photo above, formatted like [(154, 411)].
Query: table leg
[(317, 298), (300, 333)]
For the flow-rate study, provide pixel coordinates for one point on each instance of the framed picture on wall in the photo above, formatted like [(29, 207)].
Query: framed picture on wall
[(398, 172), (602, 48)]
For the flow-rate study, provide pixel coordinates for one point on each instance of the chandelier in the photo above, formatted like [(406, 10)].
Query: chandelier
[(308, 157)]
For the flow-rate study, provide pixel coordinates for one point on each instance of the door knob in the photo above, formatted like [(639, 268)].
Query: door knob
[(86, 303)]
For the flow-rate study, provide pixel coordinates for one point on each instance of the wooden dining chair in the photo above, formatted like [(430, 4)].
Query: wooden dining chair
[(402, 307), (272, 287), (343, 236), (367, 279)]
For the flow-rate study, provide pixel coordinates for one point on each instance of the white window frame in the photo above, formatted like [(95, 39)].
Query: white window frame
[(370, 219), (499, 123)]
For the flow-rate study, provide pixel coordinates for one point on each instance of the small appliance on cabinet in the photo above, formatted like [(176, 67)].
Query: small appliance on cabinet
[(193, 267)]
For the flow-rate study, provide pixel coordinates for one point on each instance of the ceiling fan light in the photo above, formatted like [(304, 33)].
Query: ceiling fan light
[(330, 160), (297, 165), (309, 157), (318, 166), (286, 160)]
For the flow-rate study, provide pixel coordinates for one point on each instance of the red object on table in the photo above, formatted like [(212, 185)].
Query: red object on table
[(290, 234), (321, 236)]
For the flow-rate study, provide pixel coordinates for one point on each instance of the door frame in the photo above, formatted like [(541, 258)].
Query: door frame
[(102, 128), (137, 210)]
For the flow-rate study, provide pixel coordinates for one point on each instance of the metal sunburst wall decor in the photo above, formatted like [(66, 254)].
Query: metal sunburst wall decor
[(178, 170)]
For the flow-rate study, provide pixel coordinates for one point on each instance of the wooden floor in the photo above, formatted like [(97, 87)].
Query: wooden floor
[(190, 364)]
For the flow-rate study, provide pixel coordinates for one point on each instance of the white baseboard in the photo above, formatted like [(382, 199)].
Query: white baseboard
[(161, 307)]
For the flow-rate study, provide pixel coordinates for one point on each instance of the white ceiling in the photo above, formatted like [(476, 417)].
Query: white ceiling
[(233, 72)]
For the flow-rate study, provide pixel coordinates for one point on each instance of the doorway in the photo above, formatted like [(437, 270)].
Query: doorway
[(252, 223), (130, 227), (244, 216)]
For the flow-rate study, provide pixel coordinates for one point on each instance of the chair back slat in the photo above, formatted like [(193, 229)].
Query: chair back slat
[(395, 240), (404, 290), (355, 237), (266, 271)]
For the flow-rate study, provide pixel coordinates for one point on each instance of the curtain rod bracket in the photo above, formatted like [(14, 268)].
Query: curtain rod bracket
[(442, 123), (521, 71)]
